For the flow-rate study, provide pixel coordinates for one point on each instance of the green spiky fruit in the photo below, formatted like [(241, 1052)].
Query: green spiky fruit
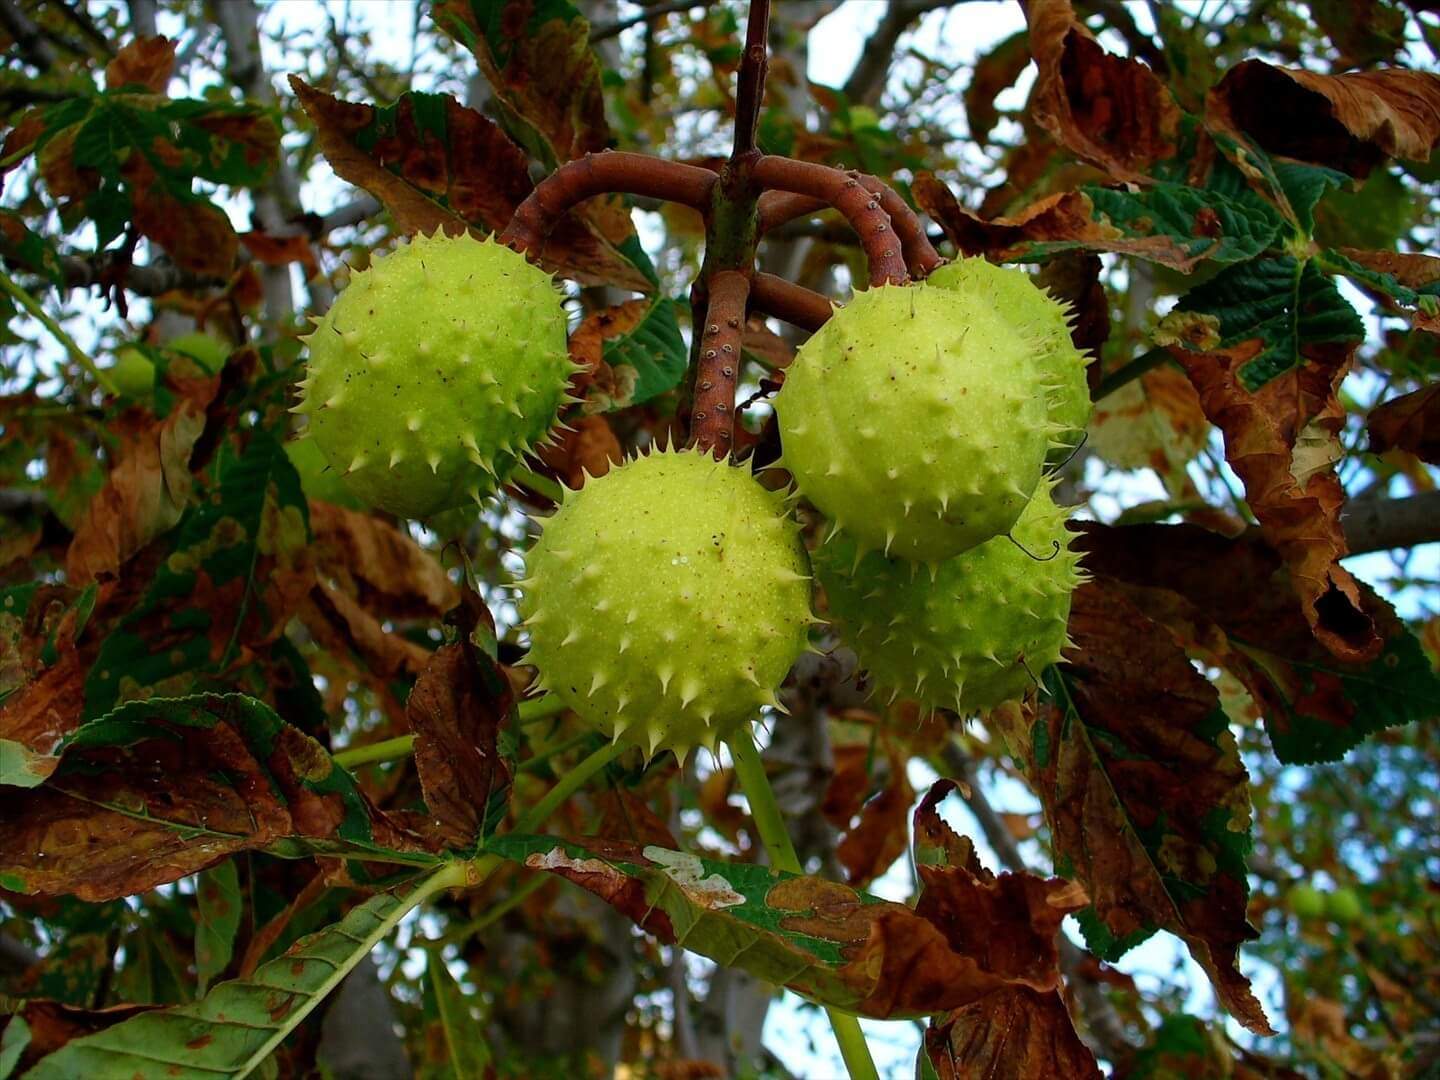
[(1306, 901), (434, 371), (976, 635), (132, 373), (209, 352), (1035, 315), (317, 479), (667, 600), (915, 419), (1344, 906)]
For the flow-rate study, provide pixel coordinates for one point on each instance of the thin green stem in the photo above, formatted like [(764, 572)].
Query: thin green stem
[(533, 884), (541, 485), (398, 747), (770, 823), (568, 784), (30, 304), (536, 761), (540, 708), (403, 745), (1130, 372)]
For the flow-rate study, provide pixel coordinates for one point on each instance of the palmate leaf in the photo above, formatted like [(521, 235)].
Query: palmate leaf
[(234, 1028)]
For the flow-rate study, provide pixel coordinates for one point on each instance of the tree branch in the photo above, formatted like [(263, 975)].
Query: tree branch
[(750, 82), (597, 174), (36, 50), (867, 82), (792, 303), (712, 420), (779, 207), (142, 18), (1382, 524), (619, 26), (847, 194)]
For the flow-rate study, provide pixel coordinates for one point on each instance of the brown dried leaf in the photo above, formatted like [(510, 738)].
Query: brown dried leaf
[(146, 491), (475, 177), (146, 61), (882, 833), (1065, 217), (1410, 422), (1012, 1032), (994, 72), (387, 572), (343, 627), (455, 710), (588, 450), (1110, 111), (1007, 923), (1074, 278), (1143, 788), (1283, 440), (52, 1024), (1350, 122), (117, 819)]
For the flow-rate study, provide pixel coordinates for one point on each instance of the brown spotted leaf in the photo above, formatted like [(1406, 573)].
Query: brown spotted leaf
[(160, 789), (438, 165), (1350, 122), (1153, 422), (1410, 422), (1012, 1032), (379, 565), (456, 709), (1146, 797), (1108, 110), (1233, 603)]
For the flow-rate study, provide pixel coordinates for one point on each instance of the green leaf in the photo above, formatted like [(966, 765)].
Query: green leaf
[(239, 1023), (230, 560), (654, 350), (1204, 224), (218, 906), (13, 1041), (1425, 297), (467, 1052), (1287, 304)]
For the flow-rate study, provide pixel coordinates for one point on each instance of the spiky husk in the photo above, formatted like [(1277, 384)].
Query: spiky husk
[(434, 371), (667, 600), (979, 633), (915, 419), (1036, 315)]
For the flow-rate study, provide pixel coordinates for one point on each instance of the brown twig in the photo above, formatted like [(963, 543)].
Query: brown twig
[(598, 174), (779, 207), (712, 421), (789, 302), (848, 195), (750, 83)]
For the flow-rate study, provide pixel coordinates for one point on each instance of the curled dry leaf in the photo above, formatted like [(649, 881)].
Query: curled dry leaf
[(1153, 422), (1173, 225), (1350, 122), (1282, 441), (589, 450), (881, 835), (1109, 111), (379, 565), (456, 709)]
